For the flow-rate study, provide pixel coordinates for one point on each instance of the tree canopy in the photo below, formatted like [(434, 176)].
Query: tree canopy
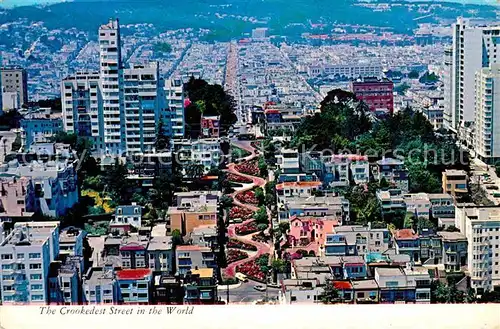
[(208, 100), (340, 121)]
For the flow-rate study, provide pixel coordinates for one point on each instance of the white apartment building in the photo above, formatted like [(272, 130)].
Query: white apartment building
[(481, 227), (100, 286), (347, 70), (474, 47), (487, 111), (119, 108), (174, 116), (143, 102), (288, 161), (51, 188), (111, 80), (81, 101), (25, 257), (205, 152)]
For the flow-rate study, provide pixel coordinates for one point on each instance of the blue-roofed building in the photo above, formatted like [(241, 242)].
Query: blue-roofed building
[(126, 217)]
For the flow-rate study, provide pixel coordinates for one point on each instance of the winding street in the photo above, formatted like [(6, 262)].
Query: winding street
[(262, 248)]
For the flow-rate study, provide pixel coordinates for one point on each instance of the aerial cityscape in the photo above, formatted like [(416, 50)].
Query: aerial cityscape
[(238, 154)]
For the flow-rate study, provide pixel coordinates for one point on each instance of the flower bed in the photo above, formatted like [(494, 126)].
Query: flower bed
[(261, 237), (249, 168), (252, 269), (234, 255), (238, 179), (245, 229), (237, 244), (240, 212), (247, 197)]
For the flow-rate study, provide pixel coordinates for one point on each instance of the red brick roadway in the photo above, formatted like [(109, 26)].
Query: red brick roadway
[(262, 248)]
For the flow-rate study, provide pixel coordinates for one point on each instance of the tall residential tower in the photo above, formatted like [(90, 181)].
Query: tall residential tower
[(474, 47)]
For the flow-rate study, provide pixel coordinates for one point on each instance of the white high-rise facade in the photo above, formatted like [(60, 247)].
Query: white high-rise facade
[(144, 103), (111, 73), (474, 47), (487, 110), (81, 101), (174, 93), (119, 108), (481, 226), (25, 257)]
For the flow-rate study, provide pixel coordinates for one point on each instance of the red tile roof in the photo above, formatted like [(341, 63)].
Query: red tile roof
[(133, 274), (132, 246), (406, 233), (342, 285), (192, 248), (297, 184)]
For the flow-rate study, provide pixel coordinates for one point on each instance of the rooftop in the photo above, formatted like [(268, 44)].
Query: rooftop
[(204, 272), (389, 161), (389, 271), (297, 184), (133, 274), (405, 234), (160, 243), (342, 285), (98, 275), (451, 236), (364, 284), (454, 172), (192, 248)]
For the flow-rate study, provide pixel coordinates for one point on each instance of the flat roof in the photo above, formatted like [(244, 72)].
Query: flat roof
[(204, 272), (365, 284), (133, 274)]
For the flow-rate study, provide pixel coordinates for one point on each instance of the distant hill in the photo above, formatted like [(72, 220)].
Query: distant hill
[(282, 16)]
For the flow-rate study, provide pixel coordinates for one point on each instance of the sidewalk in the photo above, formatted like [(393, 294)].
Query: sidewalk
[(231, 286)]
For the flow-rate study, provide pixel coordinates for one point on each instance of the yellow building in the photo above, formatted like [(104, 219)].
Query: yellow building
[(455, 182), (185, 219)]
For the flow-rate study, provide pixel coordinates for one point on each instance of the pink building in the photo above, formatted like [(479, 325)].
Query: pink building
[(309, 233)]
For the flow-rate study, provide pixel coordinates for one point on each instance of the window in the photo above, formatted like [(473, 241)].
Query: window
[(35, 255), (6, 256), (6, 266), (35, 277), (293, 298), (20, 256), (36, 287), (36, 297), (35, 266)]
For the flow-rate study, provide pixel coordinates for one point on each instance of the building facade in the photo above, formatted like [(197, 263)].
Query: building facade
[(376, 93), (487, 113), (473, 48), (15, 83)]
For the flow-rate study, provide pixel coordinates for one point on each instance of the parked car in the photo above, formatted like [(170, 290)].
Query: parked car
[(260, 288)]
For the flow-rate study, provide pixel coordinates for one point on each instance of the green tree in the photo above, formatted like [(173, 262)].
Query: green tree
[(162, 142), (330, 295), (259, 195), (115, 179), (413, 75), (226, 201), (260, 216), (262, 167), (176, 238)]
